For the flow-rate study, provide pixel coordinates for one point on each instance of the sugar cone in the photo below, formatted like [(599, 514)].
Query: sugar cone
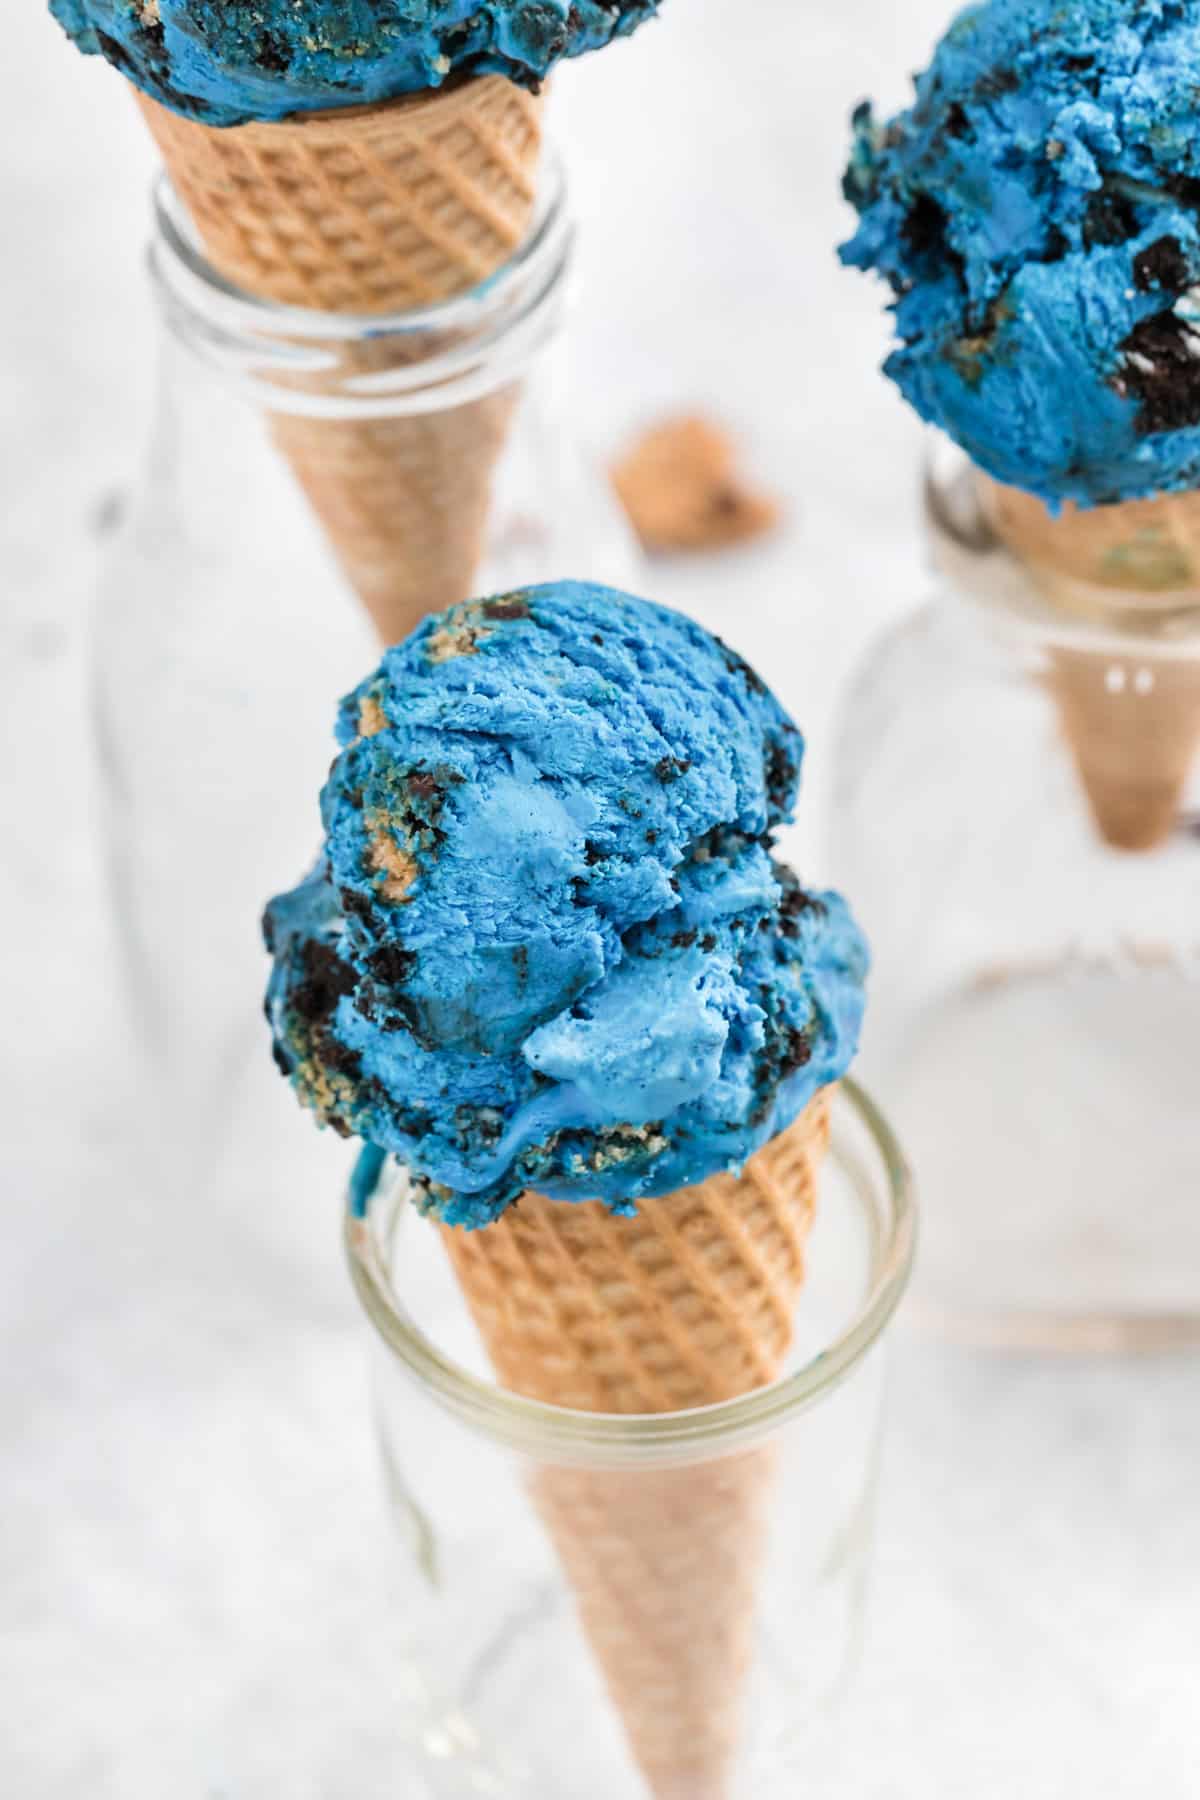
[(689, 1303), (1130, 715), (665, 1572), (1133, 724), (1147, 551), (403, 501), (366, 211)]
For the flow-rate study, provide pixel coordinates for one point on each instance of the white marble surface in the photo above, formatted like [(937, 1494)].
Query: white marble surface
[(194, 1563)]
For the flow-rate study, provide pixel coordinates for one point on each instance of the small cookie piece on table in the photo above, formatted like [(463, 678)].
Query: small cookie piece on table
[(679, 485)]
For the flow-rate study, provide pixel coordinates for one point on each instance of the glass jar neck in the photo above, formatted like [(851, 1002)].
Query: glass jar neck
[(1114, 574), (332, 365)]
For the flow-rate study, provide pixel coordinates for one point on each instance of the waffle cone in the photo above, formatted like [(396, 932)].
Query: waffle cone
[(375, 210), (1131, 718), (689, 1303)]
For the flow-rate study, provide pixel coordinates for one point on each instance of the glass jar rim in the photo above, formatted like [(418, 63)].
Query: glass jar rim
[(969, 553), (542, 1429), (446, 353)]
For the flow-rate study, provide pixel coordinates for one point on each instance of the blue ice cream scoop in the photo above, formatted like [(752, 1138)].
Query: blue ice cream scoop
[(228, 61), (1037, 214), (547, 944)]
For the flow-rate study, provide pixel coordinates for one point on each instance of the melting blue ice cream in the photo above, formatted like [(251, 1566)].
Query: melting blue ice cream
[(548, 945), (228, 61), (1037, 214)]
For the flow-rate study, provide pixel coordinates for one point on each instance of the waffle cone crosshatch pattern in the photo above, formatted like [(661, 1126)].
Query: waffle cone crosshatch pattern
[(689, 1303), (375, 210)]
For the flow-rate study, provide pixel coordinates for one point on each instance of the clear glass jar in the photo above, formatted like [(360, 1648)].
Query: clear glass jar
[(229, 621), (754, 1518), (1034, 907)]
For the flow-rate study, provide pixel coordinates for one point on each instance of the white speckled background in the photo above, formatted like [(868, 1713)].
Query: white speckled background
[(194, 1561)]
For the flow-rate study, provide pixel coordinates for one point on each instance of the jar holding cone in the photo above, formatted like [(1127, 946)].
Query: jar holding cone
[(679, 1601), (1017, 780), (690, 1303)]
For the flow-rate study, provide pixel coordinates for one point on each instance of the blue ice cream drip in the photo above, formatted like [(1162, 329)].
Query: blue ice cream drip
[(228, 61), (547, 944), (1037, 214)]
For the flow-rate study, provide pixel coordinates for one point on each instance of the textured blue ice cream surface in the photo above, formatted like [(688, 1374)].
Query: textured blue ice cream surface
[(547, 944), (229, 61), (1037, 214)]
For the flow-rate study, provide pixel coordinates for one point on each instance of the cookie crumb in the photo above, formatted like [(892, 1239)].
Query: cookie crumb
[(386, 858), (679, 486), (371, 717), (459, 634)]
